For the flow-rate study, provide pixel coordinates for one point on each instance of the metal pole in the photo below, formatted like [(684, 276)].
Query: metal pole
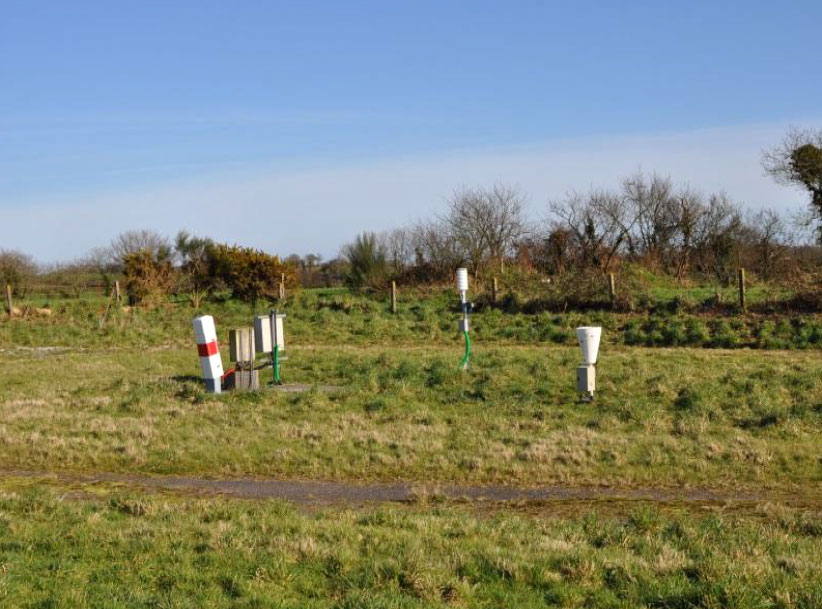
[(275, 346)]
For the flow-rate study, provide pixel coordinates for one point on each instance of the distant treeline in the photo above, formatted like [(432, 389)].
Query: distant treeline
[(649, 222)]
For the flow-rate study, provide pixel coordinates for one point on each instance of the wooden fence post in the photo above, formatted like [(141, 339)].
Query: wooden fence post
[(282, 290), (612, 289), (741, 282), (9, 307), (494, 290), (394, 297), (117, 293)]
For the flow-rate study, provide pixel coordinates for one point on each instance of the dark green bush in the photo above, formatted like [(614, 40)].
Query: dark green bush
[(249, 274)]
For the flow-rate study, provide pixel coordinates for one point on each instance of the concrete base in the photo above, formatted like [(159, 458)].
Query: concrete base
[(300, 388)]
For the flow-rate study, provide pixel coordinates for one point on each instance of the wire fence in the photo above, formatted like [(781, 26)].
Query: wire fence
[(61, 291), (740, 291)]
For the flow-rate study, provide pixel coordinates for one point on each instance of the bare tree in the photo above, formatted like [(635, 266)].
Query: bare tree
[(134, 241), (398, 245), (465, 225), (691, 209), (552, 252), (486, 223), (507, 223), (655, 212), (597, 222), (434, 248), (771, 238), (16, 269), (716, 238)]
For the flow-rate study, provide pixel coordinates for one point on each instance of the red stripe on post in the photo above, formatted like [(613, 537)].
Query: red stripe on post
[(207, 349)]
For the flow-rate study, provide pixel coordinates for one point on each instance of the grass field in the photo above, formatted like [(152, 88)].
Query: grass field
[(103, 548), (78, 396), (337, 316), (662, 417)]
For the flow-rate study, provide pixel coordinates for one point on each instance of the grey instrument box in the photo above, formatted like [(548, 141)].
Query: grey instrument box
[(241, 345), (262, 333), (586, 378)]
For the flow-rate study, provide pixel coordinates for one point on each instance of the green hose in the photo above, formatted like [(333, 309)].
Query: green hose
[(464, 362)]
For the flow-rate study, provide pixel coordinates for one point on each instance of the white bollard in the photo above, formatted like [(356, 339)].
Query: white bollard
[(210, 361)]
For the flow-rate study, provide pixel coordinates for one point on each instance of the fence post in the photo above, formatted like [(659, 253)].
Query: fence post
[(117, 293), (394, 297), (8, 300), (612, 289), (282, 290), (494, 290), (741, 282)]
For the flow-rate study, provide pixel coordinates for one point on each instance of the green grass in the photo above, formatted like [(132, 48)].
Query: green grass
[(666, 292), (124, 396), (662, 417), (124, 550), (338, 316)]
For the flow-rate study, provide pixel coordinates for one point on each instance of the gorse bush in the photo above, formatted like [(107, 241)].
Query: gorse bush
[(147, 276), (249, 274)]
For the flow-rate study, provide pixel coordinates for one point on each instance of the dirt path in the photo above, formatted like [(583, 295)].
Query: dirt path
[(318, 493)]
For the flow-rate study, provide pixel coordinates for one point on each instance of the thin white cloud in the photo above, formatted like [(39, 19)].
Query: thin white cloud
[(317, 209), (25, 125)]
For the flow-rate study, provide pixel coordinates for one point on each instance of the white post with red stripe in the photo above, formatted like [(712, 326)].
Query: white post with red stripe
[(210, 362)]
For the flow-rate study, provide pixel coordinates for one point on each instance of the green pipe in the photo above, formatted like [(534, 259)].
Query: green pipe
[(464, 362), (276, 360)]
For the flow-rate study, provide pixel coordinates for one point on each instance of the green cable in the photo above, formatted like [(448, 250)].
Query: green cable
[(464, 362)]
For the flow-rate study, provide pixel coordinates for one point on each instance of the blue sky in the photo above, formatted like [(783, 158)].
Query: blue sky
[(317, 120)]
